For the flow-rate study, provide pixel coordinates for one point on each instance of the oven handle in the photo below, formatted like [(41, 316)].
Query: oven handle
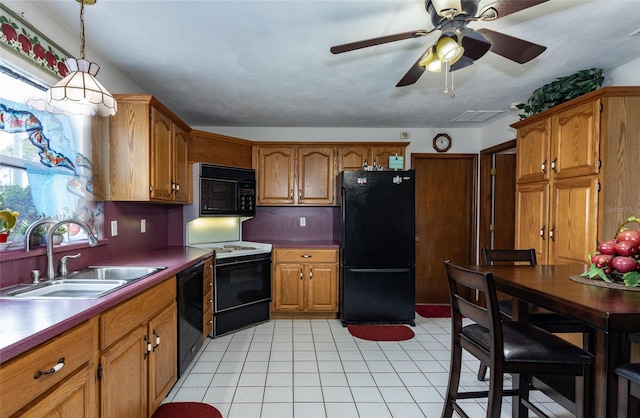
[(235, 263)]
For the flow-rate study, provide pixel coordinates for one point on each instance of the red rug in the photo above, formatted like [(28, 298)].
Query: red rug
[(434, 311), (381, 332), (186, 409)]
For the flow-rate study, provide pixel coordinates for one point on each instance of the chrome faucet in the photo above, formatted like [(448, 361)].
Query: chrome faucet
[(51, 270)]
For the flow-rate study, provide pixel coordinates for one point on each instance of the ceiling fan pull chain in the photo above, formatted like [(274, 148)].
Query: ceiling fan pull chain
[(446, 77), (453, 93)]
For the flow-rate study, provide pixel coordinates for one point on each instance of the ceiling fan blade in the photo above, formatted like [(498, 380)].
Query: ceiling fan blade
[(512, 48), (463, 62), (339, 49), (413, 74), (507, 7), (475, 45)]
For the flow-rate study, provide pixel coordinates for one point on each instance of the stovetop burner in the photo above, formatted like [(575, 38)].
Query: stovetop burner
[(238, 248)]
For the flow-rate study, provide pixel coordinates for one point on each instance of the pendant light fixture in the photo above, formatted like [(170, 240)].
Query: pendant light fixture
[(79, 92)]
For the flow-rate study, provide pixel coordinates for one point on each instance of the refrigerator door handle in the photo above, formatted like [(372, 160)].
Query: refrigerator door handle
[(385, 270)]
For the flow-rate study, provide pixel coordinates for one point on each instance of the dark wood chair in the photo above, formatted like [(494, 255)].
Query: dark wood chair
[(547, 320), (628, 390), (507, 347)]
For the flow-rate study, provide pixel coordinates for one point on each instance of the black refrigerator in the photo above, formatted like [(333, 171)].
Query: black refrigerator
[(377, 252)]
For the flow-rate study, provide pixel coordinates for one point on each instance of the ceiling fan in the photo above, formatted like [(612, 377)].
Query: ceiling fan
[(458, 45)]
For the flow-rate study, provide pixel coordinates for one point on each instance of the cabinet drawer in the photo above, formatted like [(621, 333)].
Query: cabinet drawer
[(207, 301), (19, 385), (207, 321), (118, 321), (301, 255)]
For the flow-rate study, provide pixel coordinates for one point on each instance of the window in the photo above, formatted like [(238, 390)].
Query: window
[(45, 159)]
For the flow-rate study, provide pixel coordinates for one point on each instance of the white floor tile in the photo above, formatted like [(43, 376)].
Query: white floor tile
[(316, 369)]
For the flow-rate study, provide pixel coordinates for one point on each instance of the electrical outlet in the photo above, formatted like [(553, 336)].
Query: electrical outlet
[(143, 226), (114, 228), (303, 221)]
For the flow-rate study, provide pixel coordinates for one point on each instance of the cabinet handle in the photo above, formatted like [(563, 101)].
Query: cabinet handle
[(177, 187), (300, 274), (52, 370), (310, 273), (306, 256), (300, 194), (553, 165), (552, 234), (291, 195), (157, 340), (543, 167), (149, 348), (542, 233)]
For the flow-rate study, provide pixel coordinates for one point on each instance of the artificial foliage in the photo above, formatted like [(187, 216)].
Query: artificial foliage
[(561, 90)]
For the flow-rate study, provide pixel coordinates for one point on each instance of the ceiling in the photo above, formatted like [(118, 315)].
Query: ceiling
[(267, 63)]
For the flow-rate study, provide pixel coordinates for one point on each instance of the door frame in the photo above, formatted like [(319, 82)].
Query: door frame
[(484, 198)]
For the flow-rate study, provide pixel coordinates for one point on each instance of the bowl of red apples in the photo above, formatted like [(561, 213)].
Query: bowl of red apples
[(618, 260)]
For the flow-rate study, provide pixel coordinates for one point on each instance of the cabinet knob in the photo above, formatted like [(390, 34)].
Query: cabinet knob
[(306, 256), (310, 273), (300, 194), (542, 232), (543, 166), (552, 234), (553, 165), (291, 195)]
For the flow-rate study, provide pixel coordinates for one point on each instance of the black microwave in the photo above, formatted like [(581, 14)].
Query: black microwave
[(227, 191)]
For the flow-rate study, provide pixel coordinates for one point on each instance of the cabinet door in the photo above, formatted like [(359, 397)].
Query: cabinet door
[(574, 217), (276, 173), (161, 147), (288, 287), (163, 366), (576, 141), (322, 287), (123, 388), (380, 155), (353, 158), (76, 397), (532, 215), (316, 175), (533, 152), (181, 165)]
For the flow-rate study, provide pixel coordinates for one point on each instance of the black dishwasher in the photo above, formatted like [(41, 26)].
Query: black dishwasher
[(190, 311)]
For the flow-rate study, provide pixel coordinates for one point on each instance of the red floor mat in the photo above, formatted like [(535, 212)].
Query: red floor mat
[(381, 332), (434, 311)]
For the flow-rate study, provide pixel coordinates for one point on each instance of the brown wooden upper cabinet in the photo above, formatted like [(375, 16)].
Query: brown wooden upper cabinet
[(147, 153), (295, 175), (574, 185), (305, 173)]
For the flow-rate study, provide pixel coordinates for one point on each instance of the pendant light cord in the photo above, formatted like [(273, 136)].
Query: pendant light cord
[(81, 29)]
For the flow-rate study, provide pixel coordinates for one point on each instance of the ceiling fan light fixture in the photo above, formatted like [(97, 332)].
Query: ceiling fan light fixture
[(430, 61), (80, 92), (448, 49)]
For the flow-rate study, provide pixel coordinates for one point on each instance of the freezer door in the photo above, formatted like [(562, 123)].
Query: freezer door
[(378, 218), (377, 295)]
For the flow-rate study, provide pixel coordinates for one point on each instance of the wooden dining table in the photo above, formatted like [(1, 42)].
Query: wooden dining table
[(610, 313)]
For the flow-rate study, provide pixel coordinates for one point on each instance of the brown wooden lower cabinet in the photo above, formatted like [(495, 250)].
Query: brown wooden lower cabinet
[(121, 363), (305, 281)]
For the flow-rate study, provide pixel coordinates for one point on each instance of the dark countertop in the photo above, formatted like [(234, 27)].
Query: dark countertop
[(25, 324)]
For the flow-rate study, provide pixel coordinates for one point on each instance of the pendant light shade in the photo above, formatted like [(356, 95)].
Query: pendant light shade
[(430, 61), (80, 92), (449, 50)]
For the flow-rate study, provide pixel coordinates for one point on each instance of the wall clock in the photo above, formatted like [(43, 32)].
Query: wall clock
[(442, 142)]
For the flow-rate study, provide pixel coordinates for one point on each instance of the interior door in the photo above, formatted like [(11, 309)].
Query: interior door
[(445, 219)]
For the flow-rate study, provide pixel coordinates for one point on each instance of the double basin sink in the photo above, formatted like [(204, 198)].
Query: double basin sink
[(88, 283)]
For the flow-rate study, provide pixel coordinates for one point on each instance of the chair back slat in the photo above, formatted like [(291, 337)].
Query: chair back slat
[(493, 257), (464, 281)]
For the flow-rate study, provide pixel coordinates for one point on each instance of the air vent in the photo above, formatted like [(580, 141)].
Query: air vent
[(476, 115)]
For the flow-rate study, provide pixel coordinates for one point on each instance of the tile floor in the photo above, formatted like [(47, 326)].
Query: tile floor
[(316, 369)]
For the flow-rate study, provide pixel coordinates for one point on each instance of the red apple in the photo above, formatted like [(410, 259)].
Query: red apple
[(602, 260), (626, 248), (630, 235), (607, 247), (624, 264)]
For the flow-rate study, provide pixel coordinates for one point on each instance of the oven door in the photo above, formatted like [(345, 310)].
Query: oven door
[(242, 281)]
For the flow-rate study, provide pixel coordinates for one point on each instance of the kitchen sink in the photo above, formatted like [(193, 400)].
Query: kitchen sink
[(113, 273), (69, 289), (88, 283)]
